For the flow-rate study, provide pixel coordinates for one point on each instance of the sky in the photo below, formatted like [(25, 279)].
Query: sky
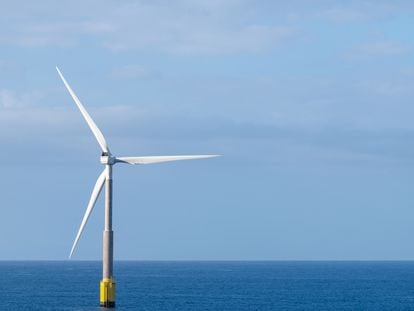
[(311, 104)]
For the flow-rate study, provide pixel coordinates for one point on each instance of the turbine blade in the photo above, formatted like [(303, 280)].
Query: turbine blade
[(95, 193), (95, 130), (159, 159)]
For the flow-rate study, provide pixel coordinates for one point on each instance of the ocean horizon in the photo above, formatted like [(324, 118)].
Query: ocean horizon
[(210, 285)]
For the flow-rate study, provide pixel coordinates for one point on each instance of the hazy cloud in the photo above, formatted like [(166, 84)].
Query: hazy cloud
[(12, 100), (189, 27), (382, 48), (183, 27), (131, 72), (360, 11)]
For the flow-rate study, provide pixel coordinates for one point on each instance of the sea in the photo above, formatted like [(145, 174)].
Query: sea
[(210, 285)]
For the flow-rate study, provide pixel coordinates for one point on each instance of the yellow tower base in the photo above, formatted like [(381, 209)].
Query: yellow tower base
[(107, 293)]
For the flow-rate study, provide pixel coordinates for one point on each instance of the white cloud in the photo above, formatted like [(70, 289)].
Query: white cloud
[(190, 27), (342, 14), (385, 48), (373, 49), (183, 26), (360, 10), (132, 71), (253, 38), (10, 99)]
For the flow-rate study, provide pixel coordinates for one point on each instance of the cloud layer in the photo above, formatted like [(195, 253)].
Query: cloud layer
[(311, 102)]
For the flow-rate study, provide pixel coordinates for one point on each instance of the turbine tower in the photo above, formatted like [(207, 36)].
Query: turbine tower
[(107, 285)]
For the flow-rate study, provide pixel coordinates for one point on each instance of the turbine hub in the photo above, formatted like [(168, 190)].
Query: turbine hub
[(107, 159)]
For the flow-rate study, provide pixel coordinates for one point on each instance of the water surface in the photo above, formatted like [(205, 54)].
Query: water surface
[(221, 286)]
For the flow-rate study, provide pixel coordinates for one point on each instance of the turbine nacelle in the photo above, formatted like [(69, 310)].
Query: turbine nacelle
[(107, 159)]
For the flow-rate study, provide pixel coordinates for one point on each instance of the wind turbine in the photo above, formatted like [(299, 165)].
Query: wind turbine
[(107, 285)]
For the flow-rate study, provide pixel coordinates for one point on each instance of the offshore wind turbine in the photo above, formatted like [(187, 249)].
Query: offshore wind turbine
[(107, 285)]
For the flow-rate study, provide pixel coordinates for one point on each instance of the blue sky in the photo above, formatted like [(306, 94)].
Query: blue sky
[(311, 102)]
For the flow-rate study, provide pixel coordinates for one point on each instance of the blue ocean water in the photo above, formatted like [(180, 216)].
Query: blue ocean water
[(239, 286)]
